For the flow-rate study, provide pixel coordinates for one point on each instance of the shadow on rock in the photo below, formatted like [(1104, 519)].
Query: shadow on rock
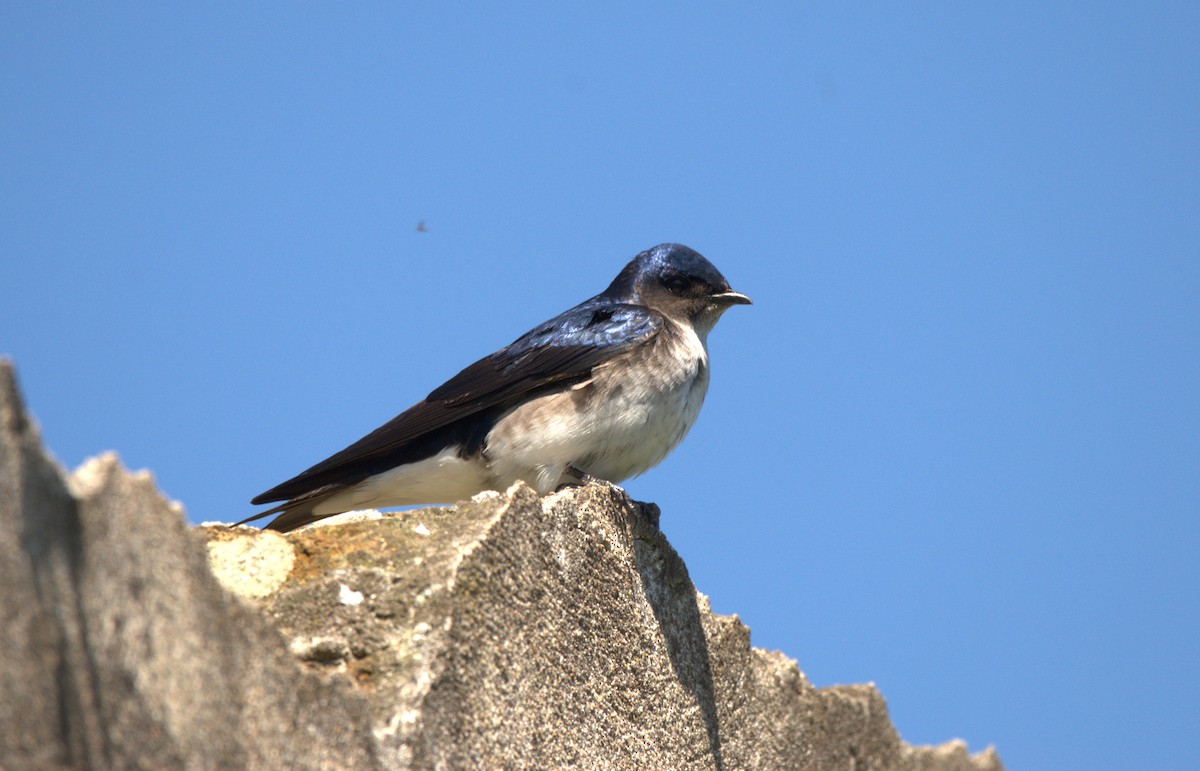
[(671, 594)]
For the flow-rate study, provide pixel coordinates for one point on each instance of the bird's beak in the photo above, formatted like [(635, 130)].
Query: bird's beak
[(731, 298)]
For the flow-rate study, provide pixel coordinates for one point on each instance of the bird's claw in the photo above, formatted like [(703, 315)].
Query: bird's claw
[(586, 478)]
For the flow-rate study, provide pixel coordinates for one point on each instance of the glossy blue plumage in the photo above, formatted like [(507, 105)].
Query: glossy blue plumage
[(597, 323)]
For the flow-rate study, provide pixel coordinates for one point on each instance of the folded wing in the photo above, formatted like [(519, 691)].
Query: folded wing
[(555, 355)]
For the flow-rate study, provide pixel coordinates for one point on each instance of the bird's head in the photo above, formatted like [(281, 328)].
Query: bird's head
[(678, 282)]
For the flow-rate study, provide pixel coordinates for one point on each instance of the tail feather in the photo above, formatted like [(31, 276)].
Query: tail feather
[(297, 512)]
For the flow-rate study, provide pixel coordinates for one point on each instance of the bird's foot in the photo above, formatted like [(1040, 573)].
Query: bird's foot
[(584, 478)]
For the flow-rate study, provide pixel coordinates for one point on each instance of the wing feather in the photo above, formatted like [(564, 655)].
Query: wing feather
[(560, 353)]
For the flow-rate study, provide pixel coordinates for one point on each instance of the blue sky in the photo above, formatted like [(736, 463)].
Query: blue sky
[(953, 448)]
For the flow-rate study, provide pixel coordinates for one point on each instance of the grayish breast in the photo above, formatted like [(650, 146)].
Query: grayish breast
[(623, 421)]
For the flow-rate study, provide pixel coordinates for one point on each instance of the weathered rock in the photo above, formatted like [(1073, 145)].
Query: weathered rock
[(120, 648), (505, 632), (518, 632)]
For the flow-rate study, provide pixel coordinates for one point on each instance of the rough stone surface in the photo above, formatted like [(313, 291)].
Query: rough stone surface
[(121, 650), (505, 632)]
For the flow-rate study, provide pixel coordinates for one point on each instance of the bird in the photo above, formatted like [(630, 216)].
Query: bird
[(601, 392)]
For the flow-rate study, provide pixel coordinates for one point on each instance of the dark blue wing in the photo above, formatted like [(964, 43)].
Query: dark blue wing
[(556, 354), (564, 348)]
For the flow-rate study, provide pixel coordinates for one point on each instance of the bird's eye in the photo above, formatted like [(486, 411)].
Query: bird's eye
[(676, 284)]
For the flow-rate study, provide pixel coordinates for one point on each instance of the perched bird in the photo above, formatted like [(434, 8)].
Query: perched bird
[(601, 392)]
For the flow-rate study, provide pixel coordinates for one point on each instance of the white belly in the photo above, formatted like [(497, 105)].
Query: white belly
[(623, 421)]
